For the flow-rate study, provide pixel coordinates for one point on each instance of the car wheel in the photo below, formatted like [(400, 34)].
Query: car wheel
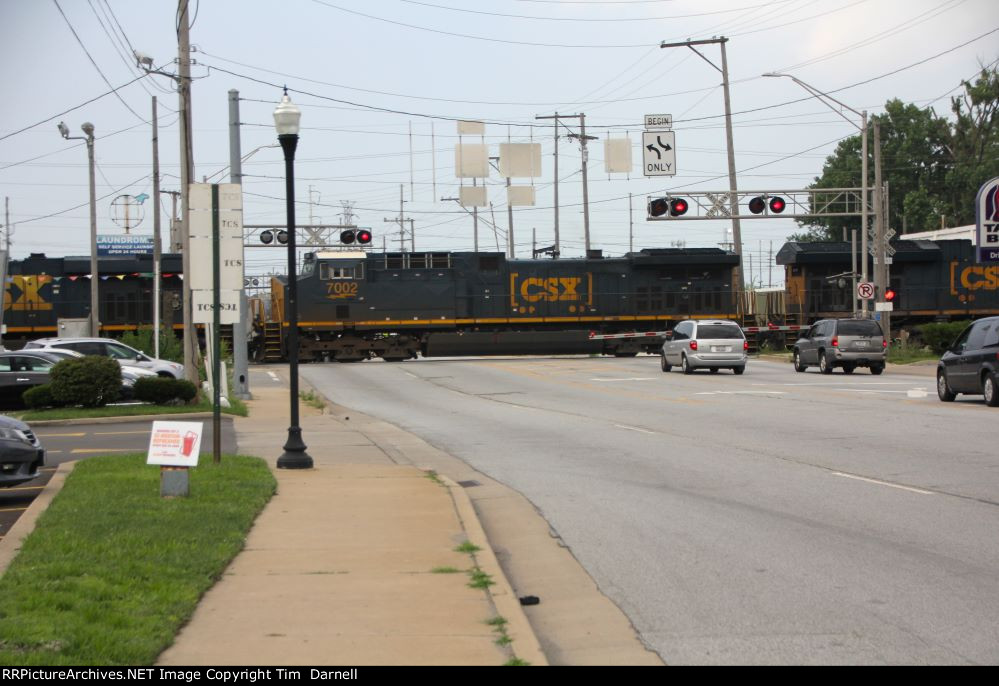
[(798, 366), (877, 369), (685, 366), (664, 364), (738, 370), (990, 389), (943, 390), (848, 368), (824, 365)]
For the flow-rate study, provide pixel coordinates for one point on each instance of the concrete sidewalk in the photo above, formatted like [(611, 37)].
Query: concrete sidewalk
[(337, 569)]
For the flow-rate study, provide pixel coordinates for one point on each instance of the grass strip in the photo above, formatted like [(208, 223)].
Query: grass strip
[(112, 570), (238, 408)]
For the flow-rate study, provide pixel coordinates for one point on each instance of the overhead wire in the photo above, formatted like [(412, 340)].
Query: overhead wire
[(93, 62)]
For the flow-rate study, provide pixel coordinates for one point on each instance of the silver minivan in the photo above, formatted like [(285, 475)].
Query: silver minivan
[(705, 344)]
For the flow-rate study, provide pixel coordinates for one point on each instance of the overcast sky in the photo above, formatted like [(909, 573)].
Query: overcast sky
[(366, 73)]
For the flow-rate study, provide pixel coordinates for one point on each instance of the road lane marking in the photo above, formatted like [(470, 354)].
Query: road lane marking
[(78, 451), (76, 435), (120, 433), (740, 392), (634, 378), (273, 376), (13, 509), (24, 488), (634, 428), (883, 483)]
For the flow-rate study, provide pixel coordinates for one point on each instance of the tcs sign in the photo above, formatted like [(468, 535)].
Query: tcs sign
[(552, 289)]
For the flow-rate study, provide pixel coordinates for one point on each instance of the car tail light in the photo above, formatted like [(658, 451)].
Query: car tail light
[(693, 345), (884, 343), (745, 345), (835, 341)]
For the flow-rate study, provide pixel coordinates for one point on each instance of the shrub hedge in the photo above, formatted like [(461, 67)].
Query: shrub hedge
[(90, 381), (939, 335), (161, 390), (39, 397)]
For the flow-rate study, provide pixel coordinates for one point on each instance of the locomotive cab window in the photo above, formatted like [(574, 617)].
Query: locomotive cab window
[(330, 271)]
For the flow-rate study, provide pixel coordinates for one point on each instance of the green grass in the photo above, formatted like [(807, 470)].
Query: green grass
[(238, 407), (906, 353), (479, 579), (112, 570), (516, 662), (467, 547), (312, 399), (445, 570)]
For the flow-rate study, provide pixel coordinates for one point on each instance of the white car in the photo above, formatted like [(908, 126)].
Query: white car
[(109, 347)]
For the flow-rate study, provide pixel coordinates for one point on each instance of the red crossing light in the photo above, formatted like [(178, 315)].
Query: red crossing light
[(777, 205), (889, 295), (363, 236), (677, 207)]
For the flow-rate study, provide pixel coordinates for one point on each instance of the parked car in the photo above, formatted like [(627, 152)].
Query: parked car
[(971, 364), (19, 371), (846, 343), (705, 344), (21, 453), (109, 347), (129, 373)]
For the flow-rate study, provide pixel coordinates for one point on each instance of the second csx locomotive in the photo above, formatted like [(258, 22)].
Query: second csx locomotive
[(355, 305)]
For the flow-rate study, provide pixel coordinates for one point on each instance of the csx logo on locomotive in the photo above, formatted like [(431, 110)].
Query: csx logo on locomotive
[(973, 277), (533, 289)]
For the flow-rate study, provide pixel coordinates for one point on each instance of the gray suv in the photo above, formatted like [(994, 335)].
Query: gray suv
[(705, 344), (846, 343)]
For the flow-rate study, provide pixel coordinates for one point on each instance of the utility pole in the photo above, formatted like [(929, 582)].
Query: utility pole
[(733, 185), (880, 237), (3, 264), (240, 364), (558, 248), (586, 197), (631, 225), (157, 247), (401, 221), (412, 235), (186, 174), (175, 244)]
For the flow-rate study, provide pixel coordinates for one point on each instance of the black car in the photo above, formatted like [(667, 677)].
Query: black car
[(21, 370), (21, 454), (971, 364)]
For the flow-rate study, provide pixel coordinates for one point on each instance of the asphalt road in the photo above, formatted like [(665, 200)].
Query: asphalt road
[(769, 518)]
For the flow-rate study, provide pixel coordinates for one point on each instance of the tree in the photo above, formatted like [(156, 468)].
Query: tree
[(933, 167)]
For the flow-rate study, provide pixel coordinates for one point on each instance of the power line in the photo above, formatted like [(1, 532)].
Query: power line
[(87, 52)]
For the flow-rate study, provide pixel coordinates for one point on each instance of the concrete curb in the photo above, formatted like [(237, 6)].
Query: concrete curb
[(10, 546), (125, 419), (525, 643)]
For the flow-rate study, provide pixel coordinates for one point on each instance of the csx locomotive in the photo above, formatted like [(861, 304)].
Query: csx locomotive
[(356, 305), (41, 291), (932, 280)]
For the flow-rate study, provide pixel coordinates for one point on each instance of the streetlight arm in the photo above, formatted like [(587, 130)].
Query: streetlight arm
[(821, 96)]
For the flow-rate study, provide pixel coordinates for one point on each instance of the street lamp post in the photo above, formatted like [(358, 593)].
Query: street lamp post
[(286, 119), (88, 129), (820, 96)]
